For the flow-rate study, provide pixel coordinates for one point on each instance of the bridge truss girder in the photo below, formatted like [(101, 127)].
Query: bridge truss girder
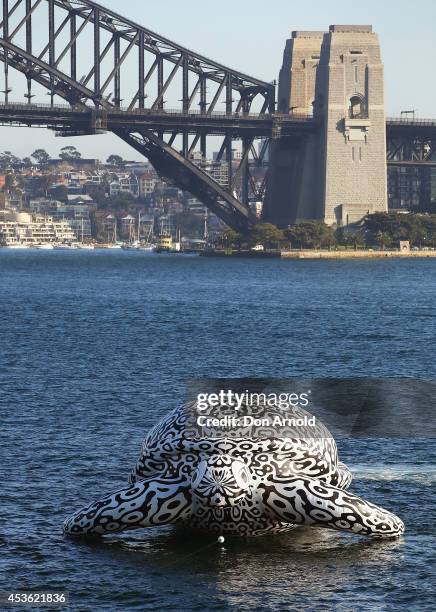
[(127, 65), (411, 158)]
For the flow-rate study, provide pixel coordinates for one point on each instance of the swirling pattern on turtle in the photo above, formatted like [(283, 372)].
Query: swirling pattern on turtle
[(248, 481)]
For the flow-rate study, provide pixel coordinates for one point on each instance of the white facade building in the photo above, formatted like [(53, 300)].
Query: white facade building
[(33, 230), (124, 183)]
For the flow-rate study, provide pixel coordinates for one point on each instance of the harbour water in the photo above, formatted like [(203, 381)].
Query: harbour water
[(95, 347)]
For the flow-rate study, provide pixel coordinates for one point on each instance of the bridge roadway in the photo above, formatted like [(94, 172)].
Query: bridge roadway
[(91, 120), (87, 120)]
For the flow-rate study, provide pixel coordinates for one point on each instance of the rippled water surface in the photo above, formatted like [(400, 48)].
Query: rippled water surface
[(95, 347)]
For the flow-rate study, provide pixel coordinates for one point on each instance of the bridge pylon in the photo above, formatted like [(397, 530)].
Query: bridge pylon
[(338, 173)]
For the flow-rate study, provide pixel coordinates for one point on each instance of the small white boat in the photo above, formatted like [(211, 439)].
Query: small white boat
[(65, 247), (17, 246), (45, 247), (113, 246), (130, 246), (147, 247), (86, 247)]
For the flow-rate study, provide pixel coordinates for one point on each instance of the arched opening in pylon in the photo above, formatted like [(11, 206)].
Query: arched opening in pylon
[(356, 109)]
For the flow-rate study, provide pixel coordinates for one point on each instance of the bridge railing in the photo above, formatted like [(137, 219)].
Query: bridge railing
[(411, 122), (154, 112)]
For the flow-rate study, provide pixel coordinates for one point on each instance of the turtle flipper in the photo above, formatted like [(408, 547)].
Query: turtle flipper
[(303, 500), (150, 502), (341, 477)]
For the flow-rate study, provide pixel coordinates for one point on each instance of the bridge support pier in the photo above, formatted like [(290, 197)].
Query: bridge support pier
[(338, 174)]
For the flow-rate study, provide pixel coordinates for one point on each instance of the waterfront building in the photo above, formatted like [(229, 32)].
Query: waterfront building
[(128, 227), (76, 213), (20, 228), (146, 226), (106, 227)]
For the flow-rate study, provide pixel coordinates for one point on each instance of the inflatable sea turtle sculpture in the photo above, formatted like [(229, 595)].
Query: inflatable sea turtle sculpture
[(249, 481)]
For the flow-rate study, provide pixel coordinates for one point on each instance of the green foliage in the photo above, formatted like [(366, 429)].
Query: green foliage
[(9, 161), (41, 157), (69, 153), (311, 235), (9, 182), (349, 239), (266, 234), (190, 224), (387, 229), (39, 184), (120, 202), (60, 193), (115, 160), (231, 239), (98, 194)]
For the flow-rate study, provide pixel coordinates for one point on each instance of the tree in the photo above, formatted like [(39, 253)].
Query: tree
[(386, 229), (60, 192), (9, 161), (229, 238), (38, 185), (346, 238), (41, 157), (69, 154), (116, 161), (190, 225), (383, 240), (9, 182), (266, 234), (98, 194), (311, 235)]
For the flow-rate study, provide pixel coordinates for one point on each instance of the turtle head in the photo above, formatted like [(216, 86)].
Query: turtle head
[(221, 481)]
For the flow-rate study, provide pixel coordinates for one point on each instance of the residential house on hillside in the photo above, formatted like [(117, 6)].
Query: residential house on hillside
[(124, 183)]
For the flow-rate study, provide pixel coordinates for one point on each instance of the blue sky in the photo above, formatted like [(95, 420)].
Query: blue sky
[(250, 36)]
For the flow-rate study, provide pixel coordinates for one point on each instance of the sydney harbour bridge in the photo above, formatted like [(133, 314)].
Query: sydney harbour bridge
[(100, 72)]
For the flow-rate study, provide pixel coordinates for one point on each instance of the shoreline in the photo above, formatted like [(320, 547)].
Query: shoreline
[(318, 254), (304, 254), (362, 254)]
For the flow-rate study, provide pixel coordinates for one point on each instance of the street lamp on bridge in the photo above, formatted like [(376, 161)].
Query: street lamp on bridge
[(408, 114)]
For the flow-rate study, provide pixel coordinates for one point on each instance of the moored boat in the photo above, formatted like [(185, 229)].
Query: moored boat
[(65, 247)]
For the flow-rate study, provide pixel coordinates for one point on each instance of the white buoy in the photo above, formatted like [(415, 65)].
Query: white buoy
[(221, 540)]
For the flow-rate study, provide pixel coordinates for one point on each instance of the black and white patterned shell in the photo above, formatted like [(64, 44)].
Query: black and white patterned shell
[(177, 440)]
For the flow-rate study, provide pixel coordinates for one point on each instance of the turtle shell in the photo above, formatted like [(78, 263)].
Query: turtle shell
[(181, 437)]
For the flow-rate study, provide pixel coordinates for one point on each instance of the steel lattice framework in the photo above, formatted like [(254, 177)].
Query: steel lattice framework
[(411, 158), (101, 63)]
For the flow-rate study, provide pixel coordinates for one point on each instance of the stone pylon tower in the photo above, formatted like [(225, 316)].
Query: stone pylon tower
[(338, 172)]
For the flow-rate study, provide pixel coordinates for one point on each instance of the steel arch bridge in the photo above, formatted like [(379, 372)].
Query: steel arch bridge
[(117, 75)]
